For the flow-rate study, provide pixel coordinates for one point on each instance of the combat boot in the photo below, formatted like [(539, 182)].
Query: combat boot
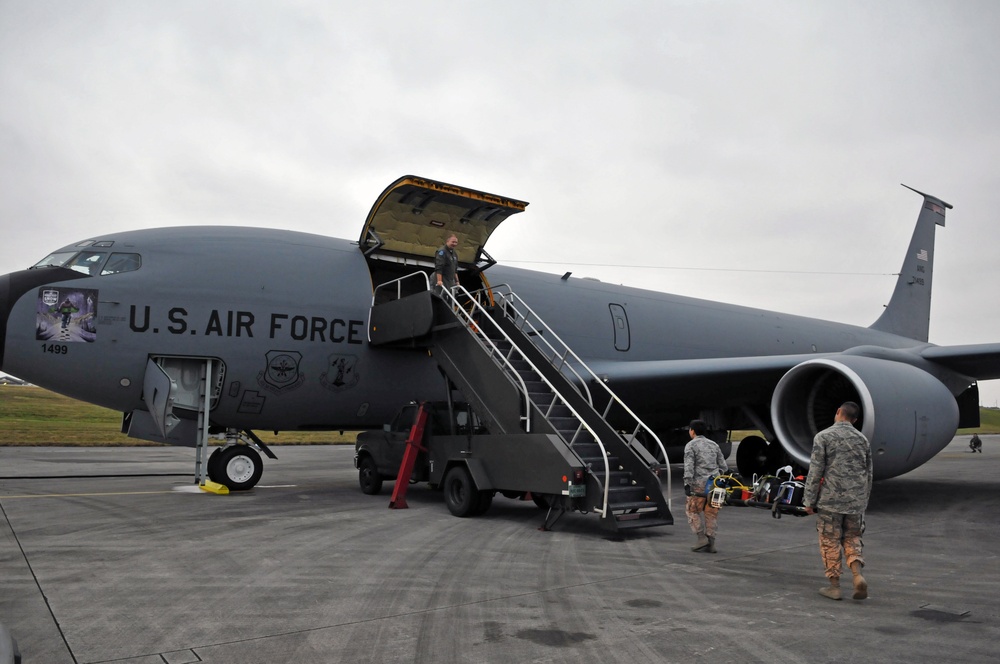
[(711, 545), (702, 543), (833, 591), (860, 585)]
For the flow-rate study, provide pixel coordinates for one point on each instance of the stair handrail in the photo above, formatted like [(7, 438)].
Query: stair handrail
[(422, 276), (399, 284), (450, 296), (580, 383), (508, 294)]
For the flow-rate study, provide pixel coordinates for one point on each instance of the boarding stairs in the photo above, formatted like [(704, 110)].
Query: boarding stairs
[(519, 376)]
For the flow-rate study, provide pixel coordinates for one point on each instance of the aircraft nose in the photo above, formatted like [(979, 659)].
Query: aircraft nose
[(4, 312)]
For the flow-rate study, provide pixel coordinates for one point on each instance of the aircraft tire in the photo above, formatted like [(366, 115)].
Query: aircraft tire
[(752, 456), (460, 492), (368, 476), (214, 473), (240, 466)]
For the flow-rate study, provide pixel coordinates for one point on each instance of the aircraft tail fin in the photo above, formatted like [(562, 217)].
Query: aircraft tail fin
[(908, 313)]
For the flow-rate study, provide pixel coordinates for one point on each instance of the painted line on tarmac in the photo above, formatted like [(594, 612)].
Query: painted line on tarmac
[(192, 489), (83, 495)]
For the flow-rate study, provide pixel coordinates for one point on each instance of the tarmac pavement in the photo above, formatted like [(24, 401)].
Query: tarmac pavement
[(112, 555)]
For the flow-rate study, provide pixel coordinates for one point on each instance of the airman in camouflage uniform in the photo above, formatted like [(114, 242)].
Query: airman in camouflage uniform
[(702, 459), (837, 489)]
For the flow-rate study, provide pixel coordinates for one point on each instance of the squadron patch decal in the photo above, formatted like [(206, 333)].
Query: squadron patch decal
[(341, 373), (282, 371)]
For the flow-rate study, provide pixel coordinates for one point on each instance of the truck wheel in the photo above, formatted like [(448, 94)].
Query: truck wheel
[(485, 500), (240, 467), (368, 477), (460, 493)]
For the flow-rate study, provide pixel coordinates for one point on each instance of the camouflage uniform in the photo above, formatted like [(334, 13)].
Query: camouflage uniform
[(842, 459), (702, 459)]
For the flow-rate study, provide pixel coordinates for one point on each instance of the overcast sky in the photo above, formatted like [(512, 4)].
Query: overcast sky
[(764, 140)]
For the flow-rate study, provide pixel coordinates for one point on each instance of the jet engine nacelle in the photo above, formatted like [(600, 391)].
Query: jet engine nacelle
[(908, 415)]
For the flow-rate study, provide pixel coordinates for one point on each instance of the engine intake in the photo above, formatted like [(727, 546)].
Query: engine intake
[(907, 414)]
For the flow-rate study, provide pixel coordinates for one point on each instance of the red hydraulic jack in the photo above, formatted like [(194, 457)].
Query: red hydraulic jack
[(414, 446)]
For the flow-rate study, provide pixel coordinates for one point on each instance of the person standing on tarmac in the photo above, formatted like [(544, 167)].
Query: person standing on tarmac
[(836, 491), (446, 264), (702, 459)]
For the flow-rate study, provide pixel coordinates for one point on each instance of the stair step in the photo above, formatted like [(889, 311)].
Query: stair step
[(541, 398), (627, 494), (642, 522), (590, 449), (528, 375), (581, 437), (631, 505), (621, 478), (565, 423), (596, 464), (557, 411)]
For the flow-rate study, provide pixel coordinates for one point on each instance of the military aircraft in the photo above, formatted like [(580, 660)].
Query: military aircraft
[(229, 330)]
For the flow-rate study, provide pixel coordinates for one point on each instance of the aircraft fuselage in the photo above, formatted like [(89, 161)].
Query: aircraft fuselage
[(286, 314)]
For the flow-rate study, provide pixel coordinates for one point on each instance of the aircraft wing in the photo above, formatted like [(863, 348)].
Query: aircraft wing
[(981, 361), (719, 381), (673, 385)]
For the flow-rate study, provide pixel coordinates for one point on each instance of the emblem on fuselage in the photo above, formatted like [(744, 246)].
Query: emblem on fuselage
[(66, 315), (341, 372), (282, 371)]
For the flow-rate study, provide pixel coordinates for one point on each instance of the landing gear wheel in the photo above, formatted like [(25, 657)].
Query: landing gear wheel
[(368, 477), (460, 492), (240, 467), (540, 500), (214, 472), (752, 457)]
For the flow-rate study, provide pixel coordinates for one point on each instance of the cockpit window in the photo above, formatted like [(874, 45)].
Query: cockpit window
[(55, 260), (90, 262), (122, 263)]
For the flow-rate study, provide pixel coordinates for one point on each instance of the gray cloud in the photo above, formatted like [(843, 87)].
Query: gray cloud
[(743, 135)]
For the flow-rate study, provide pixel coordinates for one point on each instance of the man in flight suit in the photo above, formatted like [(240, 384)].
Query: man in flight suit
[(842, 460), (446, 263)]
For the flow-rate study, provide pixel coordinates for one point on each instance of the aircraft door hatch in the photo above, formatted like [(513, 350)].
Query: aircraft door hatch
[(414, 216), (158, 393), (620, 321), (186, 374), (175, 383)]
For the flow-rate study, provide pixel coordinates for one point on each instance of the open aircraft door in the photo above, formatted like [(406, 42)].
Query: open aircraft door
[(170, 385), (158, 393), (414, 216)]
